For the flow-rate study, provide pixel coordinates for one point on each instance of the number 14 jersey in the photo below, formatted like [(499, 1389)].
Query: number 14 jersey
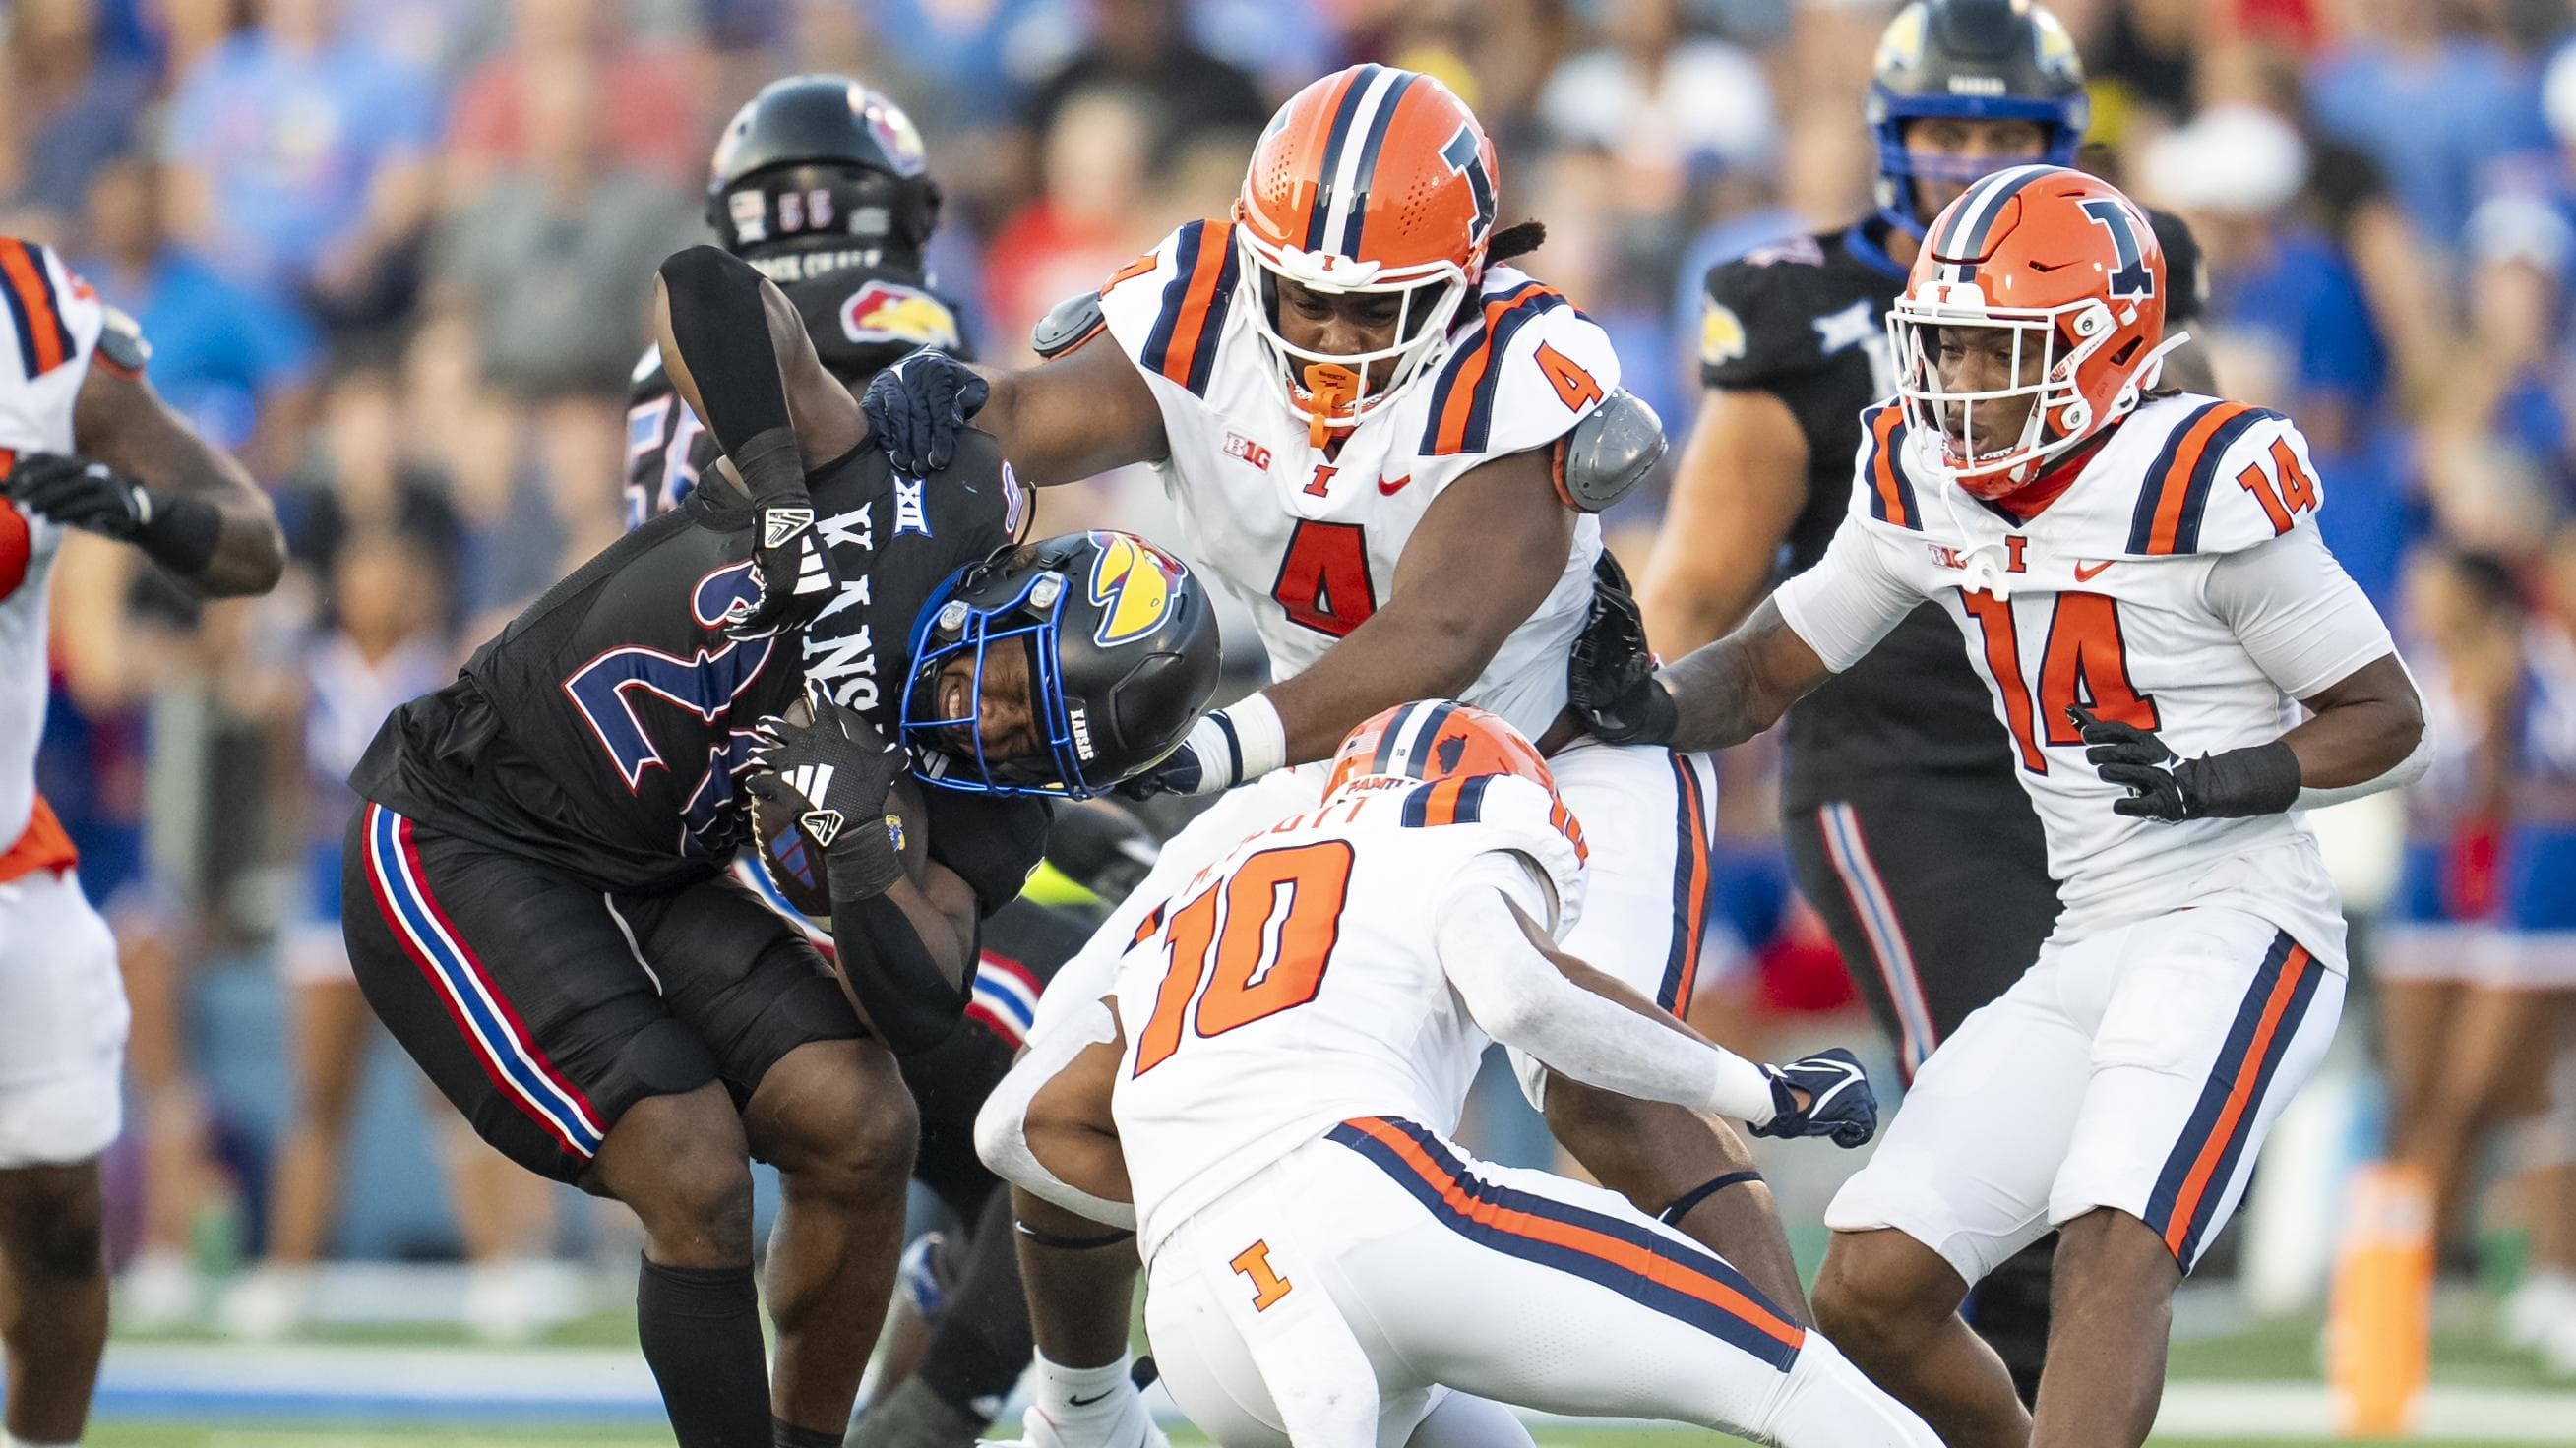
[(2177, 584)]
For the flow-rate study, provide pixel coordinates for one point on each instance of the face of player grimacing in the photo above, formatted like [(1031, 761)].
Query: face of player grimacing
[(1980, 359), (1008, 720), (1991, 145), (1342, 324)]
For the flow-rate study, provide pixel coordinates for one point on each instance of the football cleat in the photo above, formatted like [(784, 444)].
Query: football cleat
[(1131, 1426)]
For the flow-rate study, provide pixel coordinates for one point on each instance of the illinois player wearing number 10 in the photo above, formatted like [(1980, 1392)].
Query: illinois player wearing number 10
[(1302, 1020), (2138, 577)]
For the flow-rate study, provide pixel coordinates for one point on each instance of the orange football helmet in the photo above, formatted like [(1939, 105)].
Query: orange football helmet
[(1435, 739), (1372, 179), (2071, 269)]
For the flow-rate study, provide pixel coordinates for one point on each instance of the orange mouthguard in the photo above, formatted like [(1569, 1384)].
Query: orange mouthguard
[(1329, 387)]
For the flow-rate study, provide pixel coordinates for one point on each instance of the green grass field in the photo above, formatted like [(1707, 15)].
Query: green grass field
[(2262, 1366)]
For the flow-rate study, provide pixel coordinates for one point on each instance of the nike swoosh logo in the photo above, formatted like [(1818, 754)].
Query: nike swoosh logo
[(1390, 489), (1087, 1402), (2087, 575)]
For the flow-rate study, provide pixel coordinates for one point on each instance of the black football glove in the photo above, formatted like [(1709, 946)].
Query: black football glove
[(789, 563), (2162, 785), (179, 532), (831, 775), (1839, 1102), (917, 407), (1610, 678)]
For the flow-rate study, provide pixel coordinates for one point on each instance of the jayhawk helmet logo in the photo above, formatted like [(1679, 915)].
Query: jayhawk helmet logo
[(883, 311), (1133, 583)]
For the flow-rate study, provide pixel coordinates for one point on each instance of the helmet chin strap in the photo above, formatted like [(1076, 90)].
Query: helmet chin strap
[(2149, 373)]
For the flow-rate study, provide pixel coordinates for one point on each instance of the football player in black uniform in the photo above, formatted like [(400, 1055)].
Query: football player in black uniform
[(538, 903), (822, 184), (1882, 762)]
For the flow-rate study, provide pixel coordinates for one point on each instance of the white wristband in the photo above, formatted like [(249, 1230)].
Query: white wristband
[(1740, 1091), (1249, 736)]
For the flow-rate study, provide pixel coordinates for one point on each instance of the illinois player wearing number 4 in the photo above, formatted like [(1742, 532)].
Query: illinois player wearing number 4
[(2137, 577), (1387, 443), (1302, 1020)]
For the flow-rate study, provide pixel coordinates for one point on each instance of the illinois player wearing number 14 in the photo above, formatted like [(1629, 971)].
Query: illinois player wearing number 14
[(1302, 1021), (2138, 577)]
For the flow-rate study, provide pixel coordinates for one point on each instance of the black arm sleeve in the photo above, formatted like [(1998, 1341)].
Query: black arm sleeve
[(722, 330), (896, 975)]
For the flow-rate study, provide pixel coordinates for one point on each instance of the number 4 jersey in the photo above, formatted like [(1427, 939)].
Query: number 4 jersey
[(2177, 583), (1295, 982), (1306, 537), (602, 731)]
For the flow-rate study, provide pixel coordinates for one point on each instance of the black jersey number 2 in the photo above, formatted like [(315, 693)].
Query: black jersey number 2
[(606, 692)]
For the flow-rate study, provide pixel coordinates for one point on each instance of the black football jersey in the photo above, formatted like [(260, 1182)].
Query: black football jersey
[(603, 731), (1805, 320), (862, 320)]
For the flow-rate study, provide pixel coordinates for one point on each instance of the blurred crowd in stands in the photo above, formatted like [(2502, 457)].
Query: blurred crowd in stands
[(394, 253)]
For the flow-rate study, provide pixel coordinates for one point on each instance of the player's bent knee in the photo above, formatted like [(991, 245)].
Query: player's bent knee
[(847, 1131), (681, 1163), (1879, 1289), (709, 1187)]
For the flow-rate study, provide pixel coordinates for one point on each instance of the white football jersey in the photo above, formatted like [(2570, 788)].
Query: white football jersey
[(49, 331), (2106, 598), (1309, 542), (1294, 984)]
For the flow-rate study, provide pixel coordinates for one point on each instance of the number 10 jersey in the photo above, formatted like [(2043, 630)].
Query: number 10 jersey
[(1296, 982)]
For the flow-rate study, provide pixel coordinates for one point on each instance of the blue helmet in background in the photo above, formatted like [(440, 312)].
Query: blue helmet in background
[(1122, 654), (1988, 60)]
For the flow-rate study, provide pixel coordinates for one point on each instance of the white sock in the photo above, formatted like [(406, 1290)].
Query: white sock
[(1101, 1391)]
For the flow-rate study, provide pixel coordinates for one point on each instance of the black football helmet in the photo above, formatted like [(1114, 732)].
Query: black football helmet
[(1996, 60), (820, 165), (1123, 656)]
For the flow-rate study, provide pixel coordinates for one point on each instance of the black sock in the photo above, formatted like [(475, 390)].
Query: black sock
[(783, 1434), (983, 1344), (700, 1331)]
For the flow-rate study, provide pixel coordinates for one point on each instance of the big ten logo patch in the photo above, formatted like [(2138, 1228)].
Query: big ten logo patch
[(1267, 1285), (1239, 446)]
